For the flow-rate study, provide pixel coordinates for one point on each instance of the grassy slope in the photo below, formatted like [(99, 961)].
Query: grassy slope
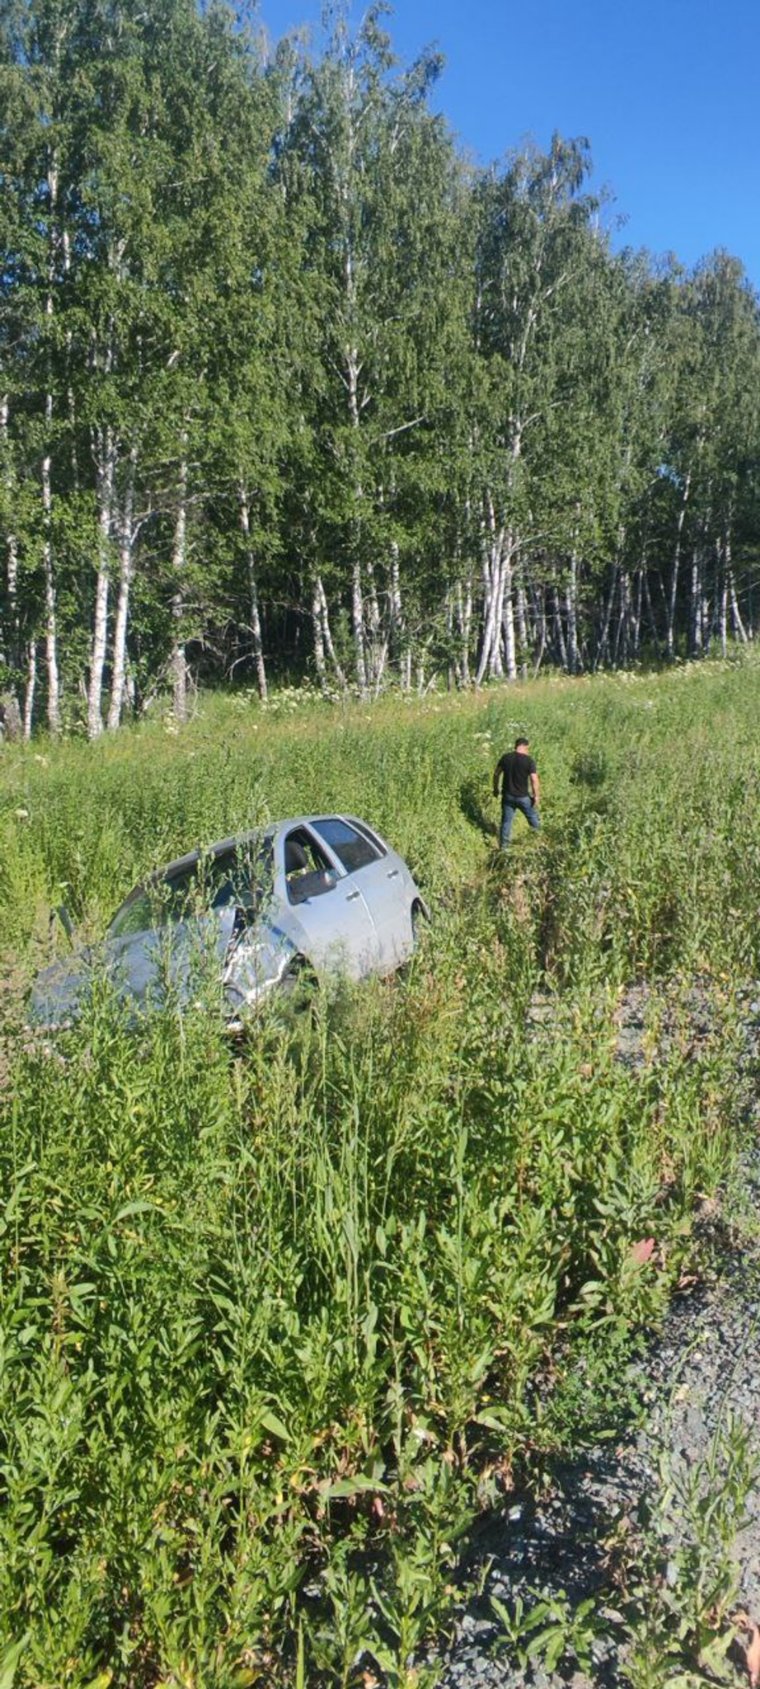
[(272, 1322)]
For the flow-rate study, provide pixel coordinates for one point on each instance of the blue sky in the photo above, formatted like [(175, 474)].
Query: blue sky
[(668, 95)]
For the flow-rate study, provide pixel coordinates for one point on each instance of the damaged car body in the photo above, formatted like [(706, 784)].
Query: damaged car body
[(315, 894)]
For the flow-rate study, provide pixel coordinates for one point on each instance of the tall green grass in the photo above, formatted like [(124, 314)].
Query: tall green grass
[(278, 1319)]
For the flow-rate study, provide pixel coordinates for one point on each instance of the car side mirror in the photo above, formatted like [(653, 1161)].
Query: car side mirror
[(305, 886)]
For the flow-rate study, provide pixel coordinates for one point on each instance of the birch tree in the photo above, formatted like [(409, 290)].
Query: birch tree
[(534, 228), (377, 174)]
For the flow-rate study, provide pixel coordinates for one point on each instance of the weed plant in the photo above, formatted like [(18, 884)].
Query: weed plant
[(278, 1318)]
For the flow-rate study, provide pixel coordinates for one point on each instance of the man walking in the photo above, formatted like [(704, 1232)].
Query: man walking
[(519, 789)]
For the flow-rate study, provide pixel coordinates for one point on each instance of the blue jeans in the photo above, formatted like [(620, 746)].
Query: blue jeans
[(526, 808)]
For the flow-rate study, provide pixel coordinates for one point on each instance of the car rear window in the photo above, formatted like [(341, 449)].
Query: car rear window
[(353, 848)]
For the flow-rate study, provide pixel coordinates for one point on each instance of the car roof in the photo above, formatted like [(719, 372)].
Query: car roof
[(255, 836)]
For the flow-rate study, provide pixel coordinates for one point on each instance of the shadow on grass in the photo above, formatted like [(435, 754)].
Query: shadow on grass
[(472, 808), (589, 769)]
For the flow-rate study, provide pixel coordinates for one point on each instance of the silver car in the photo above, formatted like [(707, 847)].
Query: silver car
[(314, 895)]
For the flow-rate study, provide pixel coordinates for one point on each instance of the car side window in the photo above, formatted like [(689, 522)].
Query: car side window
[(308, 873), (242, 875), (352, 848), (158, 904), (367, 833)]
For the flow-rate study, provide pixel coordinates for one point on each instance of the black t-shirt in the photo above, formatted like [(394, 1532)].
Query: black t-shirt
[(515, 768)]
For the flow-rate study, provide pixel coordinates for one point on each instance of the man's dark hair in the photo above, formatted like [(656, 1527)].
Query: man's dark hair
[(521, 741)]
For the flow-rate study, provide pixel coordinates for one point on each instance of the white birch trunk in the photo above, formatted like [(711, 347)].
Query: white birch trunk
[(723, 605), (604, 636), (507, 665), (493, 597), (507, 609), (11, 546), (559, 629), (397, 630), (522, 618), (319, 638), (357, 626), (379, 661), (121, 623), (51, 622), (622, 631), (639, 598), (571, 612), (12, 590), (326, 633), (394, 596), (650, 608), (695, 610), (508, 612), (375, 638), (357, 586), (253, 593), (541, 632), (463, 620), (178, 660), (466, 631), (674, 573), (736, 616), (29, 689), (105, 483)]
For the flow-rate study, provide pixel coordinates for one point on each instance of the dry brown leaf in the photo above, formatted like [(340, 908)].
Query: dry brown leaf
[(643, 1250), (753, 1657)]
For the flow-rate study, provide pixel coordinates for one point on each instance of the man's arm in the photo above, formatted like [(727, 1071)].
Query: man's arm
[(535, 788), (496, 773)]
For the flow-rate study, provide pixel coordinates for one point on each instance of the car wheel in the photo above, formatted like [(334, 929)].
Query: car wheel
[(418, 920), (297, 986)]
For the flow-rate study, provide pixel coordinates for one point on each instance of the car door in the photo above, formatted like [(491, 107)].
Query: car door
[(325, 913), (170, 935), (378, 874)]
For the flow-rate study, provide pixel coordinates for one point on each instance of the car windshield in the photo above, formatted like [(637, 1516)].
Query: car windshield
[(241, 875)]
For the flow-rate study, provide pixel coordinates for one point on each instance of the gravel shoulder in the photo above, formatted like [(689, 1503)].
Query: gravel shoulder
[(636, 1499)]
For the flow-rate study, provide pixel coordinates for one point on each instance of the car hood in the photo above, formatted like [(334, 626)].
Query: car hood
[(57, 993), (143, 969)]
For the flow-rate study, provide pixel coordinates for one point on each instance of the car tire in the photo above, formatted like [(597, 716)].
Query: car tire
[(297, 987), (418, 920)]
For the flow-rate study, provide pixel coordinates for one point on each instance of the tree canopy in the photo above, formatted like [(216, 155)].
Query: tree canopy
[(288, 388)]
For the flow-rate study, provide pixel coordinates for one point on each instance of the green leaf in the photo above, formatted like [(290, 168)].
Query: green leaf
[(139, 1206), (270, 1422), (9, 1661), (358, 1485)]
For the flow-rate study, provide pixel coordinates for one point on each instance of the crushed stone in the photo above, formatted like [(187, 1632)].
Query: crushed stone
[(701, 1371)]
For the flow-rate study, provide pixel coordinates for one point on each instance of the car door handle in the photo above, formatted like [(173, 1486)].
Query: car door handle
[(393, 873), (350, 895)]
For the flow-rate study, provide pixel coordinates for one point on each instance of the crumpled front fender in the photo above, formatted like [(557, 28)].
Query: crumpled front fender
[(255, 967)]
